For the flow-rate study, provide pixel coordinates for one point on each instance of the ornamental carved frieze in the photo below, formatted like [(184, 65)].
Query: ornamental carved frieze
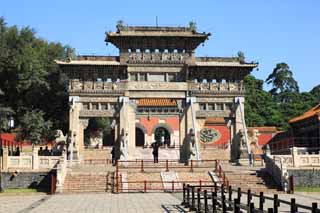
[(156, 57), (207, 114), (215, 86), (76, 85), (157, 86), (98, 113)]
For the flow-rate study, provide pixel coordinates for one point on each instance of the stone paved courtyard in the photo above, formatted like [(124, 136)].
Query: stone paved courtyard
[(135, 202), (105, 202)]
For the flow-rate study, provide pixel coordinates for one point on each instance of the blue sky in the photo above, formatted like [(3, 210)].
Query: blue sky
[(267, 31)]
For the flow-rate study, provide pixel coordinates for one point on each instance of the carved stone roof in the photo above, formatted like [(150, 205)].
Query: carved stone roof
[(315, 111), (156, 102)]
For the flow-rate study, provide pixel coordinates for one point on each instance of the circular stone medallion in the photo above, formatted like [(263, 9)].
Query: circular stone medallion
[(209, 135)]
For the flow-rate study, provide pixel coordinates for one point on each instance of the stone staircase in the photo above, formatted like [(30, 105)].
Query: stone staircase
[(214, 153), (164, 153), (254, 178), (88, 178)]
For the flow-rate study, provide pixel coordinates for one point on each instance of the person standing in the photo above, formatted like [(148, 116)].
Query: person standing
[(113, 156), (155, 152)]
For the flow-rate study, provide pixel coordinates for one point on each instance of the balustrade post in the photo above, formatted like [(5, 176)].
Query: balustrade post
[(167, 166), (173, 186), (145, 185)]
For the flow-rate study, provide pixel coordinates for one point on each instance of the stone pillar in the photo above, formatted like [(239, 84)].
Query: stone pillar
[(74, 121), (5, 156), (127, 123), (35, 158), (83, 124), (295, 157)]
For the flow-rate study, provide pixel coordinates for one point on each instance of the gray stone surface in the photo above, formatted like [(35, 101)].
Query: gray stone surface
[(149, 202), (306, 177), (37, 180)]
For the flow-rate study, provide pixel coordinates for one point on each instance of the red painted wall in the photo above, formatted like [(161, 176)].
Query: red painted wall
[(225, 135), (150, 123)]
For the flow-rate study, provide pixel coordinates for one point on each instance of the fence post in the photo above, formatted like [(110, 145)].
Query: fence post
[(261, 201), (198, 200), (187, 204), (167, 166), (270, 210), (215, 187), (145, 185), (191, 166), (214, 201), (192, 207), (251, 207), (184, 194), (236, 206), (275, 203), (223, 202), (53, 183), (291, 184), (142, 169), (239, 194), (230, 196), (205, 201), (293, 207), (314, 207), (117, 176), (172, 186), (249, 197), (200, 184)]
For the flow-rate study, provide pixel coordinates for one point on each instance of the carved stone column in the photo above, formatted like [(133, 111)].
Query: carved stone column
[(83, 124)]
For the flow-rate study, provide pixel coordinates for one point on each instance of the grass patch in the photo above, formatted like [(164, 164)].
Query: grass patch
[(307, 189), (26, 190)]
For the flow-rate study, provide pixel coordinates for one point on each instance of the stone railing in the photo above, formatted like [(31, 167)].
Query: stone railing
[(216, 87), (278, 170), (298, 160), (29, 162)]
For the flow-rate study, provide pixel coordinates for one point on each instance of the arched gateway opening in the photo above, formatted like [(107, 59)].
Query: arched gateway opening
[(139, 137), (163, 135)]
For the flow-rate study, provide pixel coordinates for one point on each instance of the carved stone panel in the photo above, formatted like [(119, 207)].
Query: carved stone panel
[(98, 113)]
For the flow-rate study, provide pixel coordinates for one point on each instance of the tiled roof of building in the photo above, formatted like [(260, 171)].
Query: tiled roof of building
[(315, 111), (214, 120), (156, 31), (155, 102)]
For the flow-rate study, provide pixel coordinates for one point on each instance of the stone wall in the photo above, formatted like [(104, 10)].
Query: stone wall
[(36, 180), (305, 177)]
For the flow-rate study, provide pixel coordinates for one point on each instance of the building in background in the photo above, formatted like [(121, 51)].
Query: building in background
[(157, 89)]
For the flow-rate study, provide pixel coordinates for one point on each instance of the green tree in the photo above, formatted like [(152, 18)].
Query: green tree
[(282, 80), (31, 80), (34, 127)]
